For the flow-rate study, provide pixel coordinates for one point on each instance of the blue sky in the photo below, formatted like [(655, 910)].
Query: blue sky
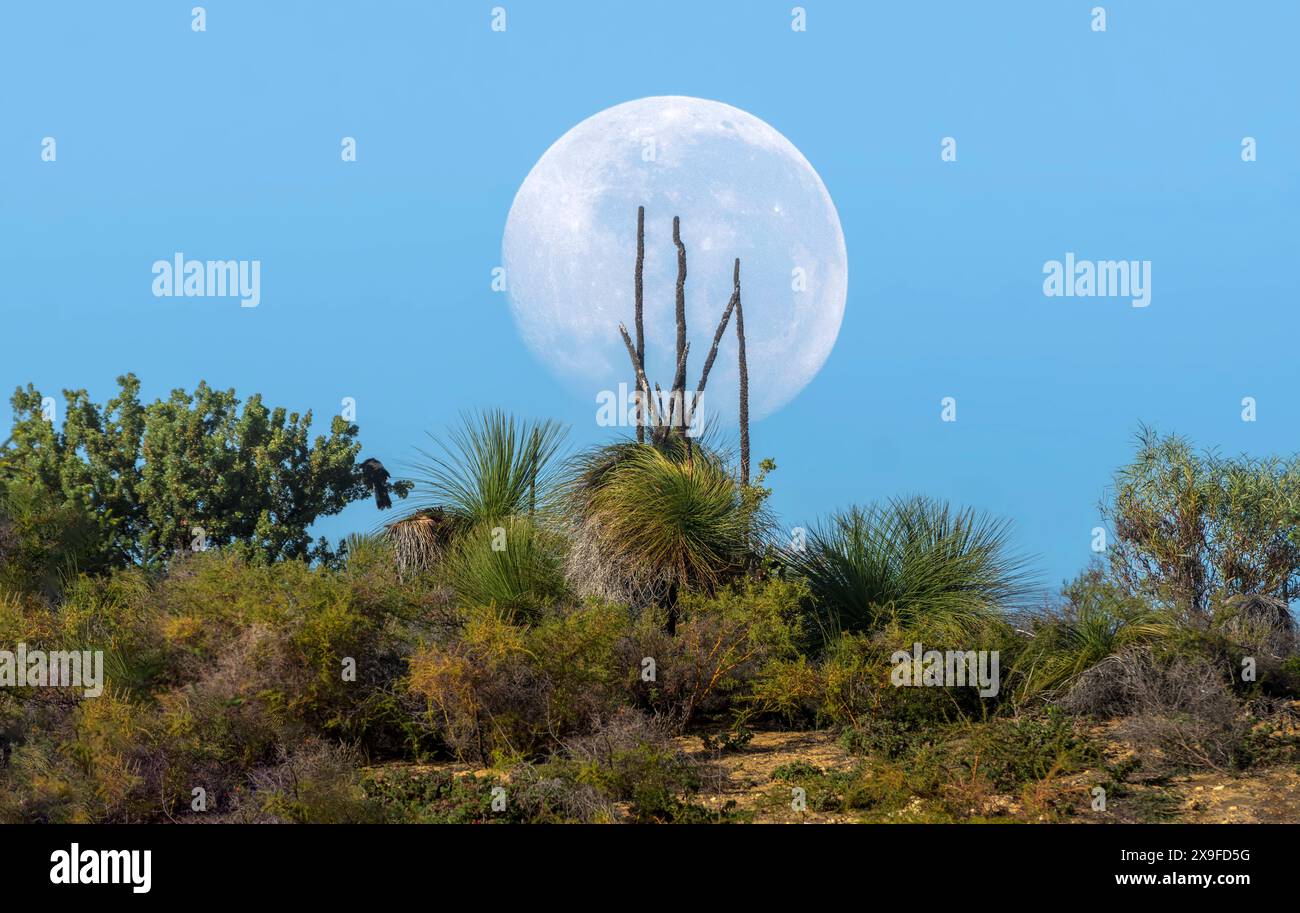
[(375, 278)]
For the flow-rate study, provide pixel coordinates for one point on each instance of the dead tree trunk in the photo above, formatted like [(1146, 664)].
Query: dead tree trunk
[(744, 380), (679, 379), (640, 324), (680, 413)]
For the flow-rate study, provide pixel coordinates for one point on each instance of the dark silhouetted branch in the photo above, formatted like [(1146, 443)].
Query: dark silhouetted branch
[(642, 383), (744, 379), (640, 324), (679, 379)]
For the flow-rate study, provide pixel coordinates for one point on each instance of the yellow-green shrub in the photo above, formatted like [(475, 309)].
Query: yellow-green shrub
[(500, 689)]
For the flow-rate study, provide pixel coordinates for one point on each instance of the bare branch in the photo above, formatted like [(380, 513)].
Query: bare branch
[(642, 383), (662, 433), (717, 338)]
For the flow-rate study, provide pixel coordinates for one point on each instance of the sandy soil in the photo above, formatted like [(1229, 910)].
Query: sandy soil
[(743, 779), (1270, 796), (748, 772)]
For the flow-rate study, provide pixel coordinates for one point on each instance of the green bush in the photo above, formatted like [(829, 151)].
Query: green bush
[(720, 652), (515, 566), (909, 562), (500, 690), (316, 783), (1097, 620), (219, 669), (43, 540)]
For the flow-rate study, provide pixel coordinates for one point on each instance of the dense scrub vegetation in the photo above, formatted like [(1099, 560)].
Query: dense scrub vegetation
[(558, 623)]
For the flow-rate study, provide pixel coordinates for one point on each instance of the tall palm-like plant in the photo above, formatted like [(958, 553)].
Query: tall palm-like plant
[(650, 522), (489, 470), (909, 562)]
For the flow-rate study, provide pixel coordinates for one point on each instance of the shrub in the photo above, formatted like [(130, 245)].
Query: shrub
[(624, 768), (1098, 619), (906, 562), (857, 682), (1176, 704), (788, 690), (315, 783), (631, 758), (499, 690), (515, 567), (722, 647), (967, 771), (1013, 752), (112, 772), (313, 620), (43, 541), (218, 669)]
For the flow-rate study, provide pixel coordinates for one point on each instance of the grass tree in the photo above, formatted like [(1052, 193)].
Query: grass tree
[(514, 566), (494, 466), (1099, 619), (649, 523), (664, 513), (909, 563), (482, 475)]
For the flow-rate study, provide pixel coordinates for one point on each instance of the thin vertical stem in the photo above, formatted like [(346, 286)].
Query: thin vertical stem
[(679, 380), (744, 379), (640, 324)]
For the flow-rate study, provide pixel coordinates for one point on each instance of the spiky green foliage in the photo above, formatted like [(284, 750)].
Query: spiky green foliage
[(908, 563), (515, 567), (492, 467), (657, 520), (363, 550), (1098, 620)]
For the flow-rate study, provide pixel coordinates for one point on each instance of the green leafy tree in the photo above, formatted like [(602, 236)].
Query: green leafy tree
[(1194, 529), (192, 469)]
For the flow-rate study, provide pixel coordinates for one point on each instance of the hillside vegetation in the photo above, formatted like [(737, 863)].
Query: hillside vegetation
[(613, 635)]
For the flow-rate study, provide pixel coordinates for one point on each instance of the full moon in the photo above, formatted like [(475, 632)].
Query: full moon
[(742, 190)]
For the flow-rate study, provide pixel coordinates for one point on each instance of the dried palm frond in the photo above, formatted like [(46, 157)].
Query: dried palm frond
[(420, 539)]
